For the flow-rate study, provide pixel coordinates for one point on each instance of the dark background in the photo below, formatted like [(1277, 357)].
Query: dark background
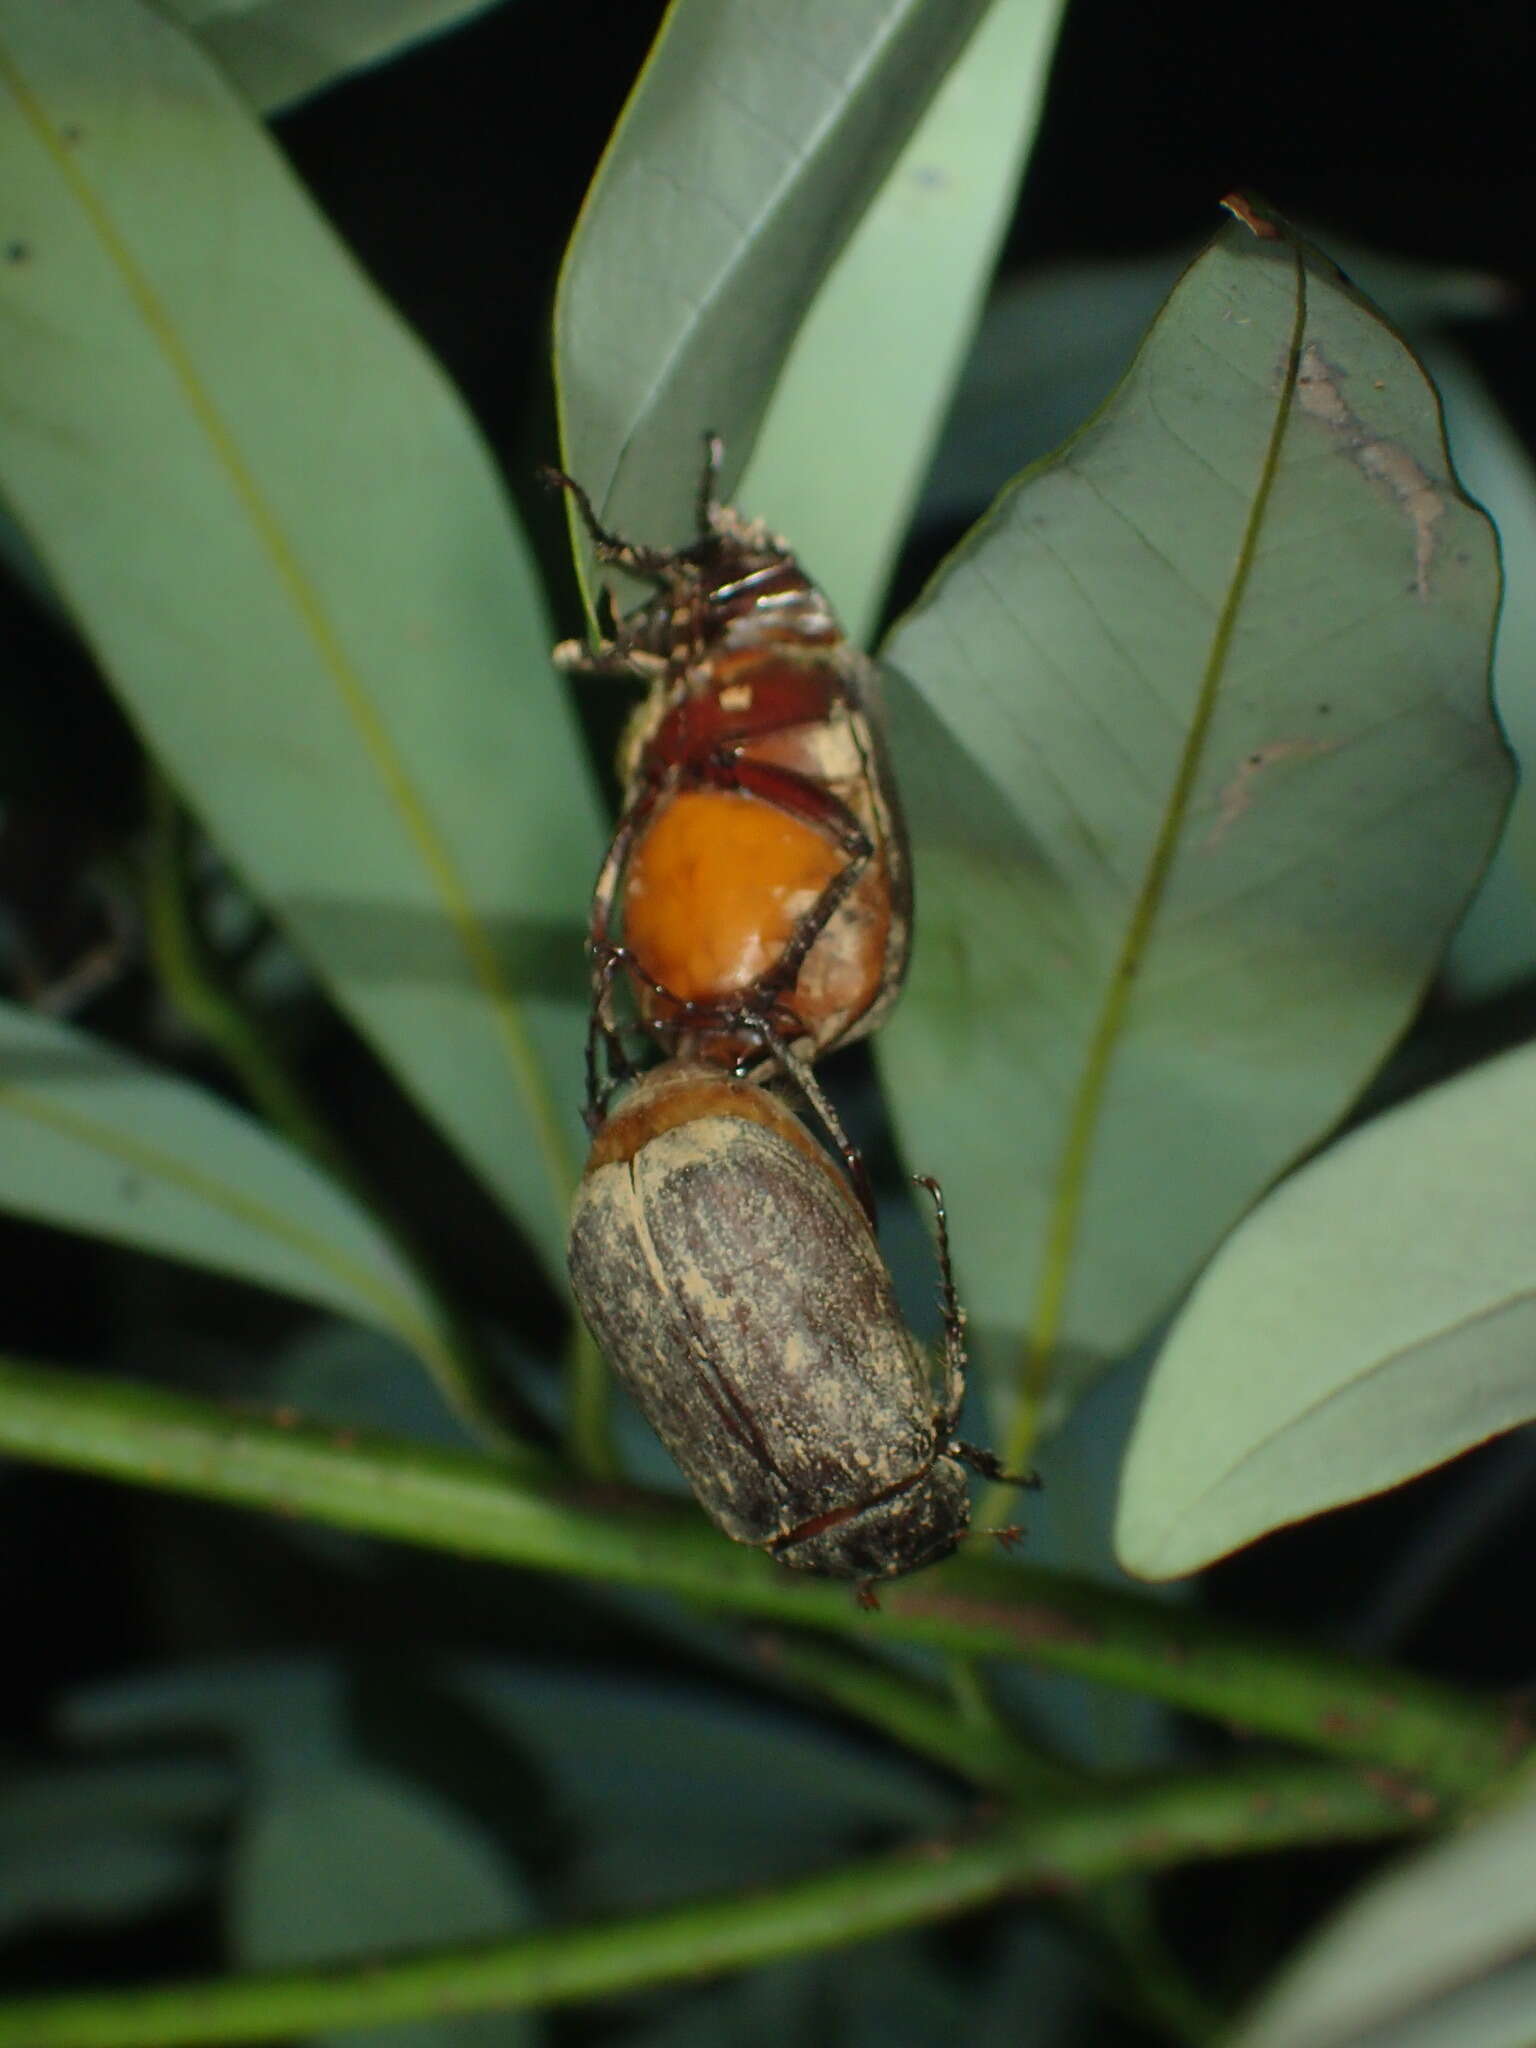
[(455, 174)]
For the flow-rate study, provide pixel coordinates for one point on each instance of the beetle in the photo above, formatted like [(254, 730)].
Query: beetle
[(724, 1264), (757, 887)]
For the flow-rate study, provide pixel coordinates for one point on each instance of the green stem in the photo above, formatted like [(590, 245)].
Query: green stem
[(964, 1732), (588, 1390), (211, 1005), (1123, 1917), (1411, 1728), (922, 1719), (1153, 1826), (192, 981)]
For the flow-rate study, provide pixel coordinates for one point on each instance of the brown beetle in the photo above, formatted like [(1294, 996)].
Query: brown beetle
[(724, 1265), (757, 886)]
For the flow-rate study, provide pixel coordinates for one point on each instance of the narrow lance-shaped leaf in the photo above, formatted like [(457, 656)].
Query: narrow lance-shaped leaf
[(849, 431), (1371, 1318), (278, 51), (98, 1142), (276, 527), (746, 152), (1200, 770)]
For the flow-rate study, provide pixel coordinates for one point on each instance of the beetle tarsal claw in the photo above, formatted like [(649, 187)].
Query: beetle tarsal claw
[(991, 1467)]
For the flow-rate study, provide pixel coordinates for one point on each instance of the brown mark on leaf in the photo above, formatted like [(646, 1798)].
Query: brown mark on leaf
[(1417, 1801), (1341, 1724), (1519, 1730), (1242, 208), (1417, 497), (1026, 1625), (1237, 793)]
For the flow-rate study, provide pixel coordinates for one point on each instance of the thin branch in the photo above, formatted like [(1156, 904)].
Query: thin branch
[(1154, 1826), (1432, 1738)]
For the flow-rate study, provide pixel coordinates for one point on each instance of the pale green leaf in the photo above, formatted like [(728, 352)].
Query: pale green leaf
[(279, 51), (1496, 945), (272, 520), (94, 1141), (1054, 340), (1376, 1315), (850, 429), (743, 159), (1200, 770), (1435, 1954)]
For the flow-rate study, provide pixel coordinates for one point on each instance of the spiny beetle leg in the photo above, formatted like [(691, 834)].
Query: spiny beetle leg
[(991, 1466)]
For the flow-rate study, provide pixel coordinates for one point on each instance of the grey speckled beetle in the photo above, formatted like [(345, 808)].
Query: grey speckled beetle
[(724, 1265)]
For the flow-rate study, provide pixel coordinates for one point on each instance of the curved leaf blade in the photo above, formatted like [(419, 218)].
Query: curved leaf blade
[(269, 515), (742, 159), (280, 51), (1496, 945), (850, 428), (1200, 770), (1434, 1954), (1373, 1317), (354, 1862), (94, 1141)]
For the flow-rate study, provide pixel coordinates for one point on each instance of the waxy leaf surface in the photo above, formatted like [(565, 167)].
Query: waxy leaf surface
[(270, 517), (1196, 748)]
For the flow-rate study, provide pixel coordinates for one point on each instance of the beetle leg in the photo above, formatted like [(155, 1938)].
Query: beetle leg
[(603, 1032), (607, 956), (955, 1359), (623, 554), (991, 1467), (799, 1072), (815, 806)]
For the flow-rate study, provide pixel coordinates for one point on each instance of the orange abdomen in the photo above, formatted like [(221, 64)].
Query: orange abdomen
[(715, 890)]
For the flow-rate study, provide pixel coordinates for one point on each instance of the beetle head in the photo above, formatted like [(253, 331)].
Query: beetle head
[(898, 1532)]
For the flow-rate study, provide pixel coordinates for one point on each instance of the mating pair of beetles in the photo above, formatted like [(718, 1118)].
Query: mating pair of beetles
[(754, 911)]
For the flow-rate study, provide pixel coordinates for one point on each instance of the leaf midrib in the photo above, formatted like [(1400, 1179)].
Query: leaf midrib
[(391, 1304), (1064, 1220), (409, 804)]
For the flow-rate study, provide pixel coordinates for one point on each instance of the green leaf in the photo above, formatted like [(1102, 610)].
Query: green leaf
[(850, 429), (358, 1864), (743, 158), (1496, 945), (1435, 1954), (94, 1141), (280, 51), (107, 1841), (1373, 1317), (973, 1605), (1199, 767), (272, 520), (672, 1794)]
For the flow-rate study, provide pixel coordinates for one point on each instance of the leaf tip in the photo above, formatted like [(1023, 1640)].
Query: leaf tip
[(1248, 211)]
